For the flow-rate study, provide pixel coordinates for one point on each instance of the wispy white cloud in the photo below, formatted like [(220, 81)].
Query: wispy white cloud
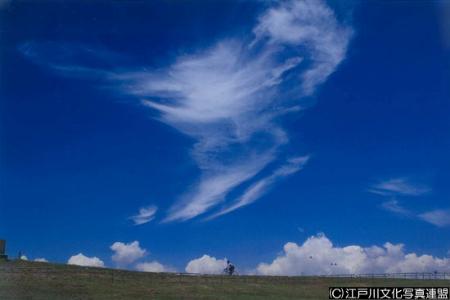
[(127, 253), (312, 24), (395, 207), (72, 59), (82, 260), (214, 186), (145, 215), (219, 97), (402, 187), (229, 97), (438, 217), (257, 189), (399, 187), (318, 256)]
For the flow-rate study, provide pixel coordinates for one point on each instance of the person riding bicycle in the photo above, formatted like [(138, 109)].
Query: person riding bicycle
[(230, 268)]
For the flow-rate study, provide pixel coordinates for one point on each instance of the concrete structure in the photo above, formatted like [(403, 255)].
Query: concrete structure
[(3, 250)]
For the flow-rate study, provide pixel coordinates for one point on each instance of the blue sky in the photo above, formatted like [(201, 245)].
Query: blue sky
[(226, 129)]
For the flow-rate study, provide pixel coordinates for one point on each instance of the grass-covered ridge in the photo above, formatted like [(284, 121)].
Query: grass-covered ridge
[(33, 280)]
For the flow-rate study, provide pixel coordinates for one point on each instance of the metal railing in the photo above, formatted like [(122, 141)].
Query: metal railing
[(117, 273), (409, 275)]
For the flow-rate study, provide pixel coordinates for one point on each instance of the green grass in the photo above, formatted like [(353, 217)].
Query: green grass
[(33, 280)]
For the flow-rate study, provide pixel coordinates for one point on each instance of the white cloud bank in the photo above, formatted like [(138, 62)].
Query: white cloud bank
[(153, 266), (318, 256), (206, 265), (82, 260), (125, 254), (40, 259), (145, 215)]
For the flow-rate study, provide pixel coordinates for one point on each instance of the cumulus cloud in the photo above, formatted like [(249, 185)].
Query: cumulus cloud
[(145, 215), (82, 260), (40, 259), (23, 257), (438, 217), (125, 254), (229, 98), (318, 256), (206, 265), (153, 266), (399, 187)]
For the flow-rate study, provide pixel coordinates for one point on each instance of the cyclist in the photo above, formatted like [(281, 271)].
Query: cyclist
[(230, 268)]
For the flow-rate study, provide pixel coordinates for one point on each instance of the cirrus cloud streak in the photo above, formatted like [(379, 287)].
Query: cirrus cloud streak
[(230, 97)]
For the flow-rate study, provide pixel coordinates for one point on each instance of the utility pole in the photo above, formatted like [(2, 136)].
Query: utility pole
[(3, 255)]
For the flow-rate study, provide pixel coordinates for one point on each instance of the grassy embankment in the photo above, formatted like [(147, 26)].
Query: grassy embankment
[(33, 280)]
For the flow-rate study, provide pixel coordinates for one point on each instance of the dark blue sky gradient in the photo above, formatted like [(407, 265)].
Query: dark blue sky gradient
[(76, 160)]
